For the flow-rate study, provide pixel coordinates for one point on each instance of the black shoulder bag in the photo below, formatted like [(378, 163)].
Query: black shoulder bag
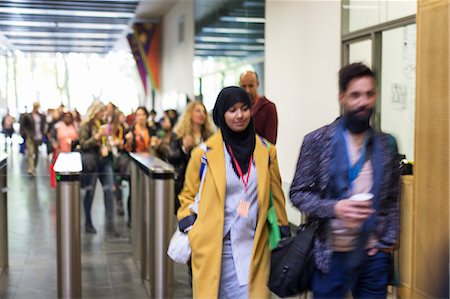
[(292, 262)]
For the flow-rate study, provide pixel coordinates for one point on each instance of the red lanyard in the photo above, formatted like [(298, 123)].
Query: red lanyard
[(239, 170)]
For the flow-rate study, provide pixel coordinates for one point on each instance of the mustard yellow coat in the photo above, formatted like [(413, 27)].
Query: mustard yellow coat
[(207, 232)]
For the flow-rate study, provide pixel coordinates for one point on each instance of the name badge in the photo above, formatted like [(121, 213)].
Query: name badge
[(243, 208)]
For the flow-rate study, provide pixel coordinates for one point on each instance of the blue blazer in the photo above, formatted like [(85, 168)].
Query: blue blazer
[(309, 189)]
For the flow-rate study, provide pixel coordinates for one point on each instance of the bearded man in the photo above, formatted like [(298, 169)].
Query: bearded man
[(338, 164)]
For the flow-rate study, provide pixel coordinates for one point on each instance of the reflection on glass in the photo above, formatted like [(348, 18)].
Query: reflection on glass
[(398, 86), (364, 13), (361, 52), (216, 73)]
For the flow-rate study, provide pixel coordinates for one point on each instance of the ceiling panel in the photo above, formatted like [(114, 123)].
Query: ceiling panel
[(65, 26), (233, 28)]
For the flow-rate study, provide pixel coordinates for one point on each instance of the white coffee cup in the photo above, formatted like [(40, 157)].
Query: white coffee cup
[(361, 196)]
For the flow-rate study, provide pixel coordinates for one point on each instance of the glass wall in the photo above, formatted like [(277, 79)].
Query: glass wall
[(364, 13), (382, 34), (361, 51), (398, 86), (73, 80), (212, 74), (229, 39)]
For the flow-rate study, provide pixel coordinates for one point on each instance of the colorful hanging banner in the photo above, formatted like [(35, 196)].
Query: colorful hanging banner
[(139, 61), (147, 38)]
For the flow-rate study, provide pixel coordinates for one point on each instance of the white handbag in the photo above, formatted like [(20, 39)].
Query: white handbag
[(179, 248)]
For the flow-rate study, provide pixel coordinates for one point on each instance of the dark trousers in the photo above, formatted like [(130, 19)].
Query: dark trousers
[(8, 133), (105, 174), (370, 282), (118, 192)]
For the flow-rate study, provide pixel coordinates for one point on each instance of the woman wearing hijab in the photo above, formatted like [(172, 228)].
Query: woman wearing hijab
[(229, 235)]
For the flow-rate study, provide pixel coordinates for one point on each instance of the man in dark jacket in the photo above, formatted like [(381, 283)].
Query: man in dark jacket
[(264, 112), (338, 163), (32, 127)]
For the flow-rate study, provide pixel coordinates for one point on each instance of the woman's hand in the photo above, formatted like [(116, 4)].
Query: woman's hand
[(129, 137), (104, 130), (188, 142), (155, 142), (118, 142), (97, 136)]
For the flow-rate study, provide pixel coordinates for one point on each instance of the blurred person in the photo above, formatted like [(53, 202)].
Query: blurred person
[(54, 116), (338, 161), (110, 108), (264, 112), (121, 166), (193, 128), (8, 128), (76, 118), (229, 236), (172, 114), (152, 120), (131, 118), (139, 136), (165, 134), (22, 145), (33, 128), (97, 164), (61, 109), (123, 120), (66, 133)]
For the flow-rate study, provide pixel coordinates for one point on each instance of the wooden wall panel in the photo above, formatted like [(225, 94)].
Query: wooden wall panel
[(406, 235), (431, 210)]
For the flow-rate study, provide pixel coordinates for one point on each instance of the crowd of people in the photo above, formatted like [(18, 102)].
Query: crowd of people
[(226, 225)]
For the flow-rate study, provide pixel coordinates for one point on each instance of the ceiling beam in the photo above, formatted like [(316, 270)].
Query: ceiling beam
[(47, 34), (226, 30), (53, 49), (55, 5), (27, 25), (220, 53), (62, 42), (55, 18), (66, 12), (228, 39), (241, 47)]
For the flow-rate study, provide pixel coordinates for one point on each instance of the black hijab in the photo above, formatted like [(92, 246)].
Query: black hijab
[(242, 143)]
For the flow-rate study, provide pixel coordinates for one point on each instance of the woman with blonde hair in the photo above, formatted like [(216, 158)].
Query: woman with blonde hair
[(193, 127), (96, 158)]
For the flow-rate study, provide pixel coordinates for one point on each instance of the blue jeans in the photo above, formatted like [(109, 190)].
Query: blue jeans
[(105, 174), (371, 282)]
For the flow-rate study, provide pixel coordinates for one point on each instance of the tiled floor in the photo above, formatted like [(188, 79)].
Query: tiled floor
[(108, 270)]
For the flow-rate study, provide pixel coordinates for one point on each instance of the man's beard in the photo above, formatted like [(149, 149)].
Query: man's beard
[(356, 123)]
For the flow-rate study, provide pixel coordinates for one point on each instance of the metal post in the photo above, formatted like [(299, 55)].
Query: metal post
[(156, 209), (135, 212), (68, 168), (3, 214), (162, 211), (146, 227)]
